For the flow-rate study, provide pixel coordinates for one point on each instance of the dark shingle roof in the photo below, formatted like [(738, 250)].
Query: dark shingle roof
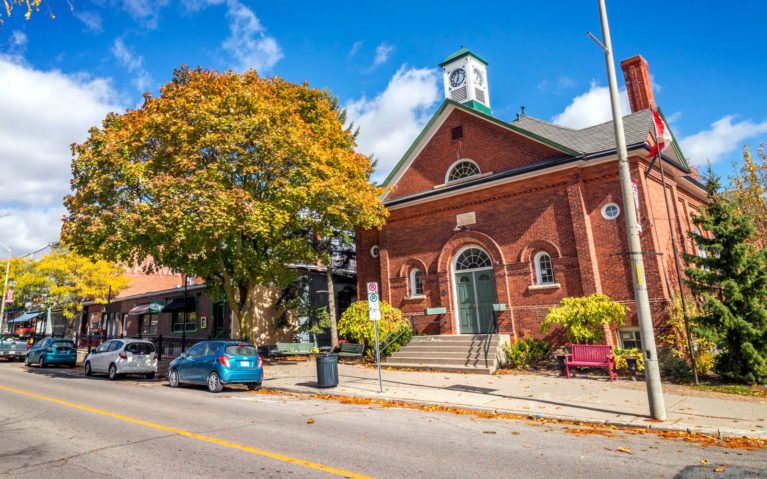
[(593, 139)]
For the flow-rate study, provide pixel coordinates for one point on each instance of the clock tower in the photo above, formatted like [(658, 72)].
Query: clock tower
[(465, 77)]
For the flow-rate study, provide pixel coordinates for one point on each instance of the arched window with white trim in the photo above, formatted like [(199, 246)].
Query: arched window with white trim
[(416, 283), (461, 169), (544, 273)]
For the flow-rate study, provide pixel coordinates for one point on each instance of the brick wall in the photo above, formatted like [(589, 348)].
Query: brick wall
[(560, 213)]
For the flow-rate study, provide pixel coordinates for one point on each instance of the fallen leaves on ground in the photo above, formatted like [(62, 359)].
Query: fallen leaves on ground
[(310, 421)]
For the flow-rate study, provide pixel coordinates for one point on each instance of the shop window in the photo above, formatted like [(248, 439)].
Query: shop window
[(629, 338), (544, 272), (148, 323), (177, 322)]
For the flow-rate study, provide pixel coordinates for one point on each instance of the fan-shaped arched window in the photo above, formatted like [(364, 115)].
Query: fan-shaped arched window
[(416, 285), (544, 273), (462, 169), (473, 258)]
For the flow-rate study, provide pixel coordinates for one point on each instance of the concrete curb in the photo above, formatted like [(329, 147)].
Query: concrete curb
[(661, 427)]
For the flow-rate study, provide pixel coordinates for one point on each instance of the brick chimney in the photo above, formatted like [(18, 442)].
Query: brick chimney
[(637, 75)]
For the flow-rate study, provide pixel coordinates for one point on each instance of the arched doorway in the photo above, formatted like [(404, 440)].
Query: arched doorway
[(475, 290)]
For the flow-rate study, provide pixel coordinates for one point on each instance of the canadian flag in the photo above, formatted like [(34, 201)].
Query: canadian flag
[(663, 137)]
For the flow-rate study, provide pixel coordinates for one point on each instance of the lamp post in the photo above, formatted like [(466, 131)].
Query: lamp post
[(5, 288)]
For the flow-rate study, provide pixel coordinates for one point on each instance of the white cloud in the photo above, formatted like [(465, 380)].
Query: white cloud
[(41, 114), (383, 52), (355, 48), (248, 42), (91, 19), (591, 108), (723, 137), (146, 12), (133, 63), (17, 43), (562, 83), (391, 121)]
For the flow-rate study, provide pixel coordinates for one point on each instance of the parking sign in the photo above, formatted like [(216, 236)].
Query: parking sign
[(374, 305)]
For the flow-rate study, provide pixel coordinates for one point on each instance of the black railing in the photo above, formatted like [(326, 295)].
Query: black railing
[(402, 328)]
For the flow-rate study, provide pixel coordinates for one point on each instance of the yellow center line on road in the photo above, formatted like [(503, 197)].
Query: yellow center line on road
[(181, 432)]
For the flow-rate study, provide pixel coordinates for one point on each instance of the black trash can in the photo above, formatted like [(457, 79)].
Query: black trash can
[(327, 370)]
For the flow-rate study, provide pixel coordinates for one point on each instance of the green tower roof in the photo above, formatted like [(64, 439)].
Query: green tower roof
[(461, 53)]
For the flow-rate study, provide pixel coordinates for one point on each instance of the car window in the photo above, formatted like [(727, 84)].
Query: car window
[(196, 350), (211, 349), (115, 345), (103, 347), (241, 350), (140, 348), (63, 344)]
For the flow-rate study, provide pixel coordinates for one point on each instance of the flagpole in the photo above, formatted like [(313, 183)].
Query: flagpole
[(659, 159), (644, 317)]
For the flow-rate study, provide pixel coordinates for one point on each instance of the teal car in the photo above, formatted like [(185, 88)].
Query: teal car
[(51, 351), (216, 364)]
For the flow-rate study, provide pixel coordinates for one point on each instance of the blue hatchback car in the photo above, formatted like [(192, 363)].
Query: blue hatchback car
[(51, 351), (217, 363)]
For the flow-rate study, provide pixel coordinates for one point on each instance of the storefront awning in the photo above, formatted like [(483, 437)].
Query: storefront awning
[(177, 305), (25, 317), (140, 309)]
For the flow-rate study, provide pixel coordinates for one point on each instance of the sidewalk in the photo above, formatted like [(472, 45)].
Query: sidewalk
[(586, 399)]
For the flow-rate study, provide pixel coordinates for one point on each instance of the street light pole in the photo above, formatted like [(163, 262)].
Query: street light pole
[(652, 372), (5, 288)]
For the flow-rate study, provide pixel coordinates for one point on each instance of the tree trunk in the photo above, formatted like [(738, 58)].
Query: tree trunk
[(332, 305)]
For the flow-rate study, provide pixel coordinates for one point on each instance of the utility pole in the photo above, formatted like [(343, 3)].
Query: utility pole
[(5, 288), (652, 372)]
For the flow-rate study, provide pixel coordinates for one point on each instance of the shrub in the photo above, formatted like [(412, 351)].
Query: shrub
[(620, 358), (674, 367), (526, 351), (356, 325), (584, 318), (675, 338)]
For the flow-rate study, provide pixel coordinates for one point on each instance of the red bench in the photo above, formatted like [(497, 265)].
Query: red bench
[(592, 355)]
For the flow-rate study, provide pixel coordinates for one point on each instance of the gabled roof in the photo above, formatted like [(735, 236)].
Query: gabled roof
[(570, 142), (450, 103), (460, 53)]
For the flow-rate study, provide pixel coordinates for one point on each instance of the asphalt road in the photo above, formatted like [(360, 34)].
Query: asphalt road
[(57, 423)]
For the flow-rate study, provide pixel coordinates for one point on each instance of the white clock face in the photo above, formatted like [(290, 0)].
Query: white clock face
[(457, 77), (477, 77)]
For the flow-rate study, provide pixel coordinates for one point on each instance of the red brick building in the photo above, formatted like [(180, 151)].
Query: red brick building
[(514, 216)]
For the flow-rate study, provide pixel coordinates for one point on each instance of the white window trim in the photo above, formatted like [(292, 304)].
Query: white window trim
[(413, 292), (450, 169), (604, 209), (537, 264), (626, 329)]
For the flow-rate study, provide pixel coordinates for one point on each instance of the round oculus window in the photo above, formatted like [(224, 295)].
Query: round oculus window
[(610, 211), (375, 251)]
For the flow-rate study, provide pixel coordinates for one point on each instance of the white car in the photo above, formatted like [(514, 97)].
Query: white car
[(117, 357)]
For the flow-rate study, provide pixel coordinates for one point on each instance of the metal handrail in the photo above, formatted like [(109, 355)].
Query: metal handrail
[(491, 331), (399, 329)]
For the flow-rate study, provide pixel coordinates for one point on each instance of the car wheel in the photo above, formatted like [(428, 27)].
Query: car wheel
[(254, 386), (26, 361), (149, 375), (173, 378), (41, 362), (214, 383), (112, 372), (88, 371)]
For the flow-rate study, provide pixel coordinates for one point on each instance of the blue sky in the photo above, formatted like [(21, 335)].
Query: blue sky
[(60, 76)]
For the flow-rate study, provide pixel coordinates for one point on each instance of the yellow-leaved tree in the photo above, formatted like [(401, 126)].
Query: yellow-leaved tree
[(224, 176), (63, 280), (748, 187)]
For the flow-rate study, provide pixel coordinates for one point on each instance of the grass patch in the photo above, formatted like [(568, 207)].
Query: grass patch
[(739, 389)]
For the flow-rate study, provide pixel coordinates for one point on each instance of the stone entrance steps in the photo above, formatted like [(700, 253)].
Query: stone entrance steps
[(460, 353)]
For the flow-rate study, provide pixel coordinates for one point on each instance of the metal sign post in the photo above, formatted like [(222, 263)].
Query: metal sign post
[(374, 311)]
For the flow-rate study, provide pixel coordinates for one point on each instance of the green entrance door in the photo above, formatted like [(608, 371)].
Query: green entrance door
[(476, 295)]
